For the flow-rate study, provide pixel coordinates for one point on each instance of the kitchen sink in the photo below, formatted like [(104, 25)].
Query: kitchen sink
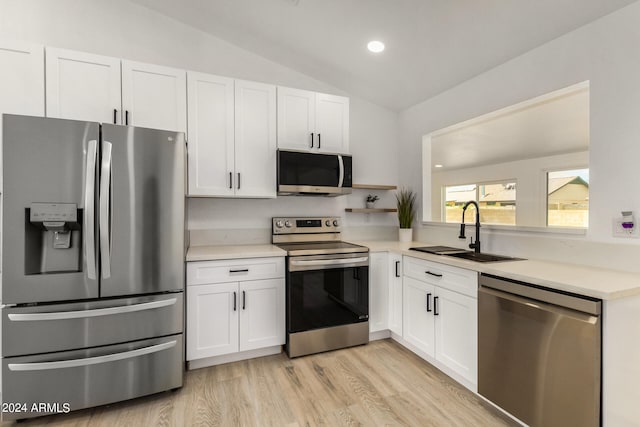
[(482, 257)]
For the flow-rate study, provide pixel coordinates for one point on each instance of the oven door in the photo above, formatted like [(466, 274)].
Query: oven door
[(327, 290)]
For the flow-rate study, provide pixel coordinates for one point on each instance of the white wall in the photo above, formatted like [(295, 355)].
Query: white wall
[(530, 176), (604, 52), (122, 29)]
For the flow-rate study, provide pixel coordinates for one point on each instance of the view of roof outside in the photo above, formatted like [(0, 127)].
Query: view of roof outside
[(567, 200), (497, 202)]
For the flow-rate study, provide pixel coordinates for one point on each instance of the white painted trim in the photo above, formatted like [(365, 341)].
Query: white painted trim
[(233, 357), (379, 335), (509, 229)]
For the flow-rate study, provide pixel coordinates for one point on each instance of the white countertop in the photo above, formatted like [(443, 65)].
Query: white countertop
[(212, 253), (594, 282)]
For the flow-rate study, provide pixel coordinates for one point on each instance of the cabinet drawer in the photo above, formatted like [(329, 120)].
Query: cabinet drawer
[(234, 270), (448, 277)]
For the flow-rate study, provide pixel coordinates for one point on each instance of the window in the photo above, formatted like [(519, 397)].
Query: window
[(497, 202), (568, 198)]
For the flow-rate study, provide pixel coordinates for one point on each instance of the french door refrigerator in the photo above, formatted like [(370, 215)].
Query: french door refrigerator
[(92, 264)]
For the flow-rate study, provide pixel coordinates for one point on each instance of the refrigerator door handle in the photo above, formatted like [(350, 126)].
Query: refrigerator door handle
[(60, 364), (89, 209), (82, 314), (105, 211)]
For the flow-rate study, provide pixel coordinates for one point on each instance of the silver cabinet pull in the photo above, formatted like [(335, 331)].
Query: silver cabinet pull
[(81, 314), (105, 210), (89, 209), (61, 364)]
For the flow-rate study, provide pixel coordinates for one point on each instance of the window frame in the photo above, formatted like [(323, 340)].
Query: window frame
[(443, 198)]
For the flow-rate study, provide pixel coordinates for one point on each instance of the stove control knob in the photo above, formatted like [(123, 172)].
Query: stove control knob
[(335, 223), (288, 224), (279, 224), (328, 223)]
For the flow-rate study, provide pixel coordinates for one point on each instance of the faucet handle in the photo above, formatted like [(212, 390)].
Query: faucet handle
[(462, 236)]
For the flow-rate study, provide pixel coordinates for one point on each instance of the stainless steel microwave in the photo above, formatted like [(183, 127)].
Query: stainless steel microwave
[(302, 173)]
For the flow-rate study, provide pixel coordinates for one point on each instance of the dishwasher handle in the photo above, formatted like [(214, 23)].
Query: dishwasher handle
[(539, 305)]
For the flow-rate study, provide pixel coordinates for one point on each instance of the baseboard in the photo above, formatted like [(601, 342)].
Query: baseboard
[(233, 357), (379, 335)]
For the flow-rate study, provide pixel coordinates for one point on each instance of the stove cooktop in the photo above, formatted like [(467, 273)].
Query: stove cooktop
[(317, 248)]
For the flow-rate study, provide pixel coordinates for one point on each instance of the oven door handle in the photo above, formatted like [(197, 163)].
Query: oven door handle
[(338, 261)]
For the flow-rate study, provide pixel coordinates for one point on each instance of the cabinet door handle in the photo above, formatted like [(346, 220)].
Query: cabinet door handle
[(244, 300), (230, 180), (242, 270), (126, 117), (115, 116), (318, 140), (433, 274), (235, 299), (435, 306), (238, 180), (397, 265), (311, 139), (429, 302)]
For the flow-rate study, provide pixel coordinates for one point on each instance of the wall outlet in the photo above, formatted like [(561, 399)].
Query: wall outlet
[(620, 231)]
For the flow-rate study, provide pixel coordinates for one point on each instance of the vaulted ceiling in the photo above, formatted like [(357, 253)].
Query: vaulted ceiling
[(432, 45)]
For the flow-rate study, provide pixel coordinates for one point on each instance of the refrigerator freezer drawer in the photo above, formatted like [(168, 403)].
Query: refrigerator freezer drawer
[(58, 327), (71, 380)]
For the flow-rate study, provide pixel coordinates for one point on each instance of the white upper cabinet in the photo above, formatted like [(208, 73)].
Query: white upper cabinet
[(255, 132), (232, 137), (312, 121), (21, 78), (332, 123), (211, 134), (296, 119), (154, 96), (83, 86)]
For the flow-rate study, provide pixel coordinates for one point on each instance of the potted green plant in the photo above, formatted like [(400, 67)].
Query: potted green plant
[(371, 200), (406, 199)]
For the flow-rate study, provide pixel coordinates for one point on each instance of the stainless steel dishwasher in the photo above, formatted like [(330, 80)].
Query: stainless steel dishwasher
[(539, 353)]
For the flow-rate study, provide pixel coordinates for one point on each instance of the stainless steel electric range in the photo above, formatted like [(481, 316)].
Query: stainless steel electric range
[(327, 285)]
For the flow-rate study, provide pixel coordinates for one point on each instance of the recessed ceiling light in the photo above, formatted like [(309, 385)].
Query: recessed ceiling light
[(375, 46), (437, 166)]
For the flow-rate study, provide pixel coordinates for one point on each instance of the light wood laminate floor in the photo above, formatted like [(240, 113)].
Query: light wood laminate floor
[(378, 384)]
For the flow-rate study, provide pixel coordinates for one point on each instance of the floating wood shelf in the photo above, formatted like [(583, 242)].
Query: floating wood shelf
[(374, 187), (373, 210)]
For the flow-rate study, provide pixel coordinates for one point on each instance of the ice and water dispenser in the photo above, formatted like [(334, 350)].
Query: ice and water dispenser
[(53, 238)]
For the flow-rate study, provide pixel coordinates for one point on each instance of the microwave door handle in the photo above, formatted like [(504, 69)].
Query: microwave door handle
[(89, 209), (341, 173)]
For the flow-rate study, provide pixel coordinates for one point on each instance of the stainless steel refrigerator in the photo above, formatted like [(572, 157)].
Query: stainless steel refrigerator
[(92, 263)]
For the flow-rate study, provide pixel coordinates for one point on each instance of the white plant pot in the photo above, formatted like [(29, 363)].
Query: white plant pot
[(370, 205), (405, 234)]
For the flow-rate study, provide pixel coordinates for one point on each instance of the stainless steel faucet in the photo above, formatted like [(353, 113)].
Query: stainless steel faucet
[(475, 246)]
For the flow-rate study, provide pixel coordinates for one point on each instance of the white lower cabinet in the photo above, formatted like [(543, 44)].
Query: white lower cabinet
[(378, 291), (395, 293), (231, 317), (440, 314)]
